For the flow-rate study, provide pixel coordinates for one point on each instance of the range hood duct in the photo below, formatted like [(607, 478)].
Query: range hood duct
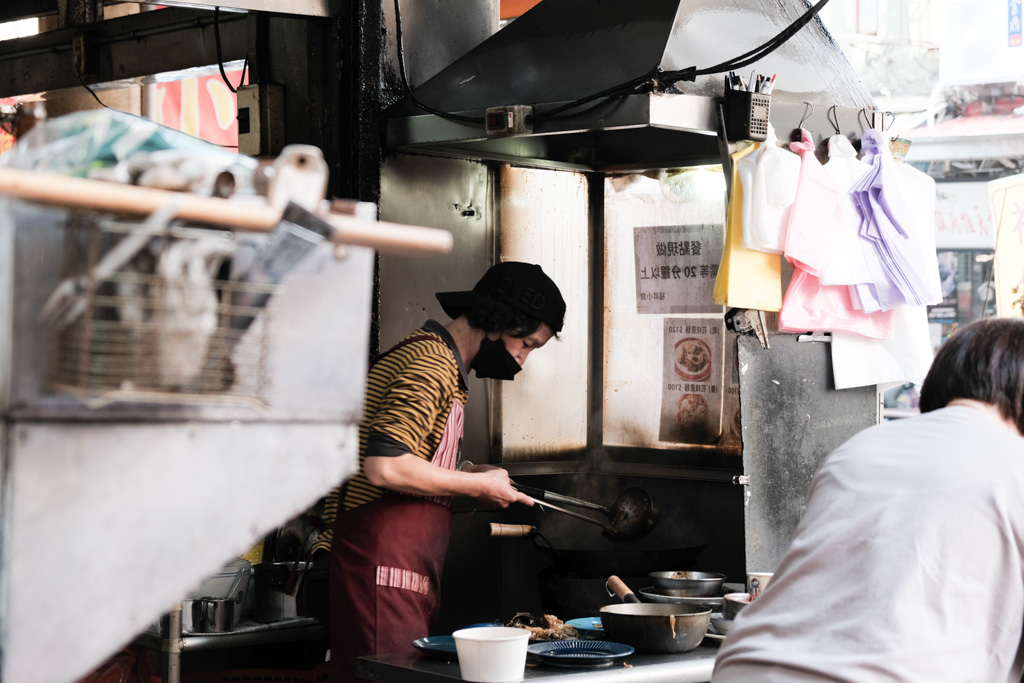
[(565, 50)]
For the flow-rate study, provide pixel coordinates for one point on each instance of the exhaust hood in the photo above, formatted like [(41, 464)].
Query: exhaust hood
[(562, 51)]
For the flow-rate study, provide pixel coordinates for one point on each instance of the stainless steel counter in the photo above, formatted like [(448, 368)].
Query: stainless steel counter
[(690, 667)]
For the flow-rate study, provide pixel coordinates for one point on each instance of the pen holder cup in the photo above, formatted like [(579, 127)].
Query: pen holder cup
[(746, 115)]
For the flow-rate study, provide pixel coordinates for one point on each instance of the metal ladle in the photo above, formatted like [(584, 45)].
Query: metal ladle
[(631, 515)]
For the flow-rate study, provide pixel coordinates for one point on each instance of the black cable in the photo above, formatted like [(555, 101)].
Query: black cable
[(615, 91), (220, 59), (405, 78), (611, 95), (93, 93)]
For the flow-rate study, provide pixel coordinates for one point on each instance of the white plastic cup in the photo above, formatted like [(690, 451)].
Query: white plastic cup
[(757, 582), (492, 654)]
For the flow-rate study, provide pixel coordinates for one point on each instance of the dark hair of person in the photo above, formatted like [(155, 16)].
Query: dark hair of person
[(983, 361), (490, 315)]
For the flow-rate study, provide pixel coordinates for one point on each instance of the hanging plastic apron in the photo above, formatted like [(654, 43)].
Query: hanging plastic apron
[(769, 178), (919, 189), (846, 170), (746, 278), (386, 562), (900, 275), (814, 217)]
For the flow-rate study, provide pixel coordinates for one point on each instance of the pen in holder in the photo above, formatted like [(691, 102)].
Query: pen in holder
[(746, 115)]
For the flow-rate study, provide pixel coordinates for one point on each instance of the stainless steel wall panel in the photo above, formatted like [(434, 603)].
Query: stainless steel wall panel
[(454, 195), (544, 219), (792, 418)]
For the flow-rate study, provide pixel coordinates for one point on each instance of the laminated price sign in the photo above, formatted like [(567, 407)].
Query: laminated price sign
[(676, 267), (694, 387)]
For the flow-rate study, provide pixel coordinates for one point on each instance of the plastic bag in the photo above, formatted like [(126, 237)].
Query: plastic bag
[(810, 305), (919, 189), (900, 274), (769, 178), (111, 145), (746, 278), (858, 362), (815, 216), (846, 170)]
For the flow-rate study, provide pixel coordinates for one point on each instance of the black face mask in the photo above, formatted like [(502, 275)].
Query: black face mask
[(493, 361)]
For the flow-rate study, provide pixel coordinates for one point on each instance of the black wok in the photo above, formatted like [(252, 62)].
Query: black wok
[(598, 564)]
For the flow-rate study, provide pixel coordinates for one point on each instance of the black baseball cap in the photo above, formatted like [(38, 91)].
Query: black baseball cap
[(524, 286)]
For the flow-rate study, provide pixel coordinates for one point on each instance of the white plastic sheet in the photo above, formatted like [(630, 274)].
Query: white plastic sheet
[(858, 361), (769, 177), (846, 170)]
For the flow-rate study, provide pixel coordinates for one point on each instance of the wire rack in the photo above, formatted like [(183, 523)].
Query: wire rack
[(156, 315)]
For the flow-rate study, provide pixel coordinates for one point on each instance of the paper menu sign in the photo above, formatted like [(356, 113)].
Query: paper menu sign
[(693, 361), (676, 266)]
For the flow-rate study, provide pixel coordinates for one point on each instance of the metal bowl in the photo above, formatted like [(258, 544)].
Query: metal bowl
[(671, 597), (690, 584), (733, 603)]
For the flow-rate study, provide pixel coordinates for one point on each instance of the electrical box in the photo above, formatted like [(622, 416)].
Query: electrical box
[(261, 119), (513, 119)]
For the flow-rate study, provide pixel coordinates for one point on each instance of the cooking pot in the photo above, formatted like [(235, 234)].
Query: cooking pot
[(661, 628)]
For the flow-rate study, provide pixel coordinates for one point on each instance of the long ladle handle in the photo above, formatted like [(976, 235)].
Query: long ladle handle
[(541, 494), (544, 503)]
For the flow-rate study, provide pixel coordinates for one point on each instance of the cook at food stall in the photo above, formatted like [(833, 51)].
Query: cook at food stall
[(390, 523), (908, 561)]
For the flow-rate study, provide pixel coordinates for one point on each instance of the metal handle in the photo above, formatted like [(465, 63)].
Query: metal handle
[(541, 494), (616, 586), (577, 515)]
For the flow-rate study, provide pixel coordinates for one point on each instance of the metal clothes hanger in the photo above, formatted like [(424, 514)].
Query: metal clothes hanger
[(808, 110), (867, 121), (833, 117)]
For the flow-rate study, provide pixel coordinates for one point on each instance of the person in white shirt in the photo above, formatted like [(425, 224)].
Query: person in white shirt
[(908, 563)]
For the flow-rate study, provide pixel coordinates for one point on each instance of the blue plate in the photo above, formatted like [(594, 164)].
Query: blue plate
[(587, 627), (580, 653), (442, 647)]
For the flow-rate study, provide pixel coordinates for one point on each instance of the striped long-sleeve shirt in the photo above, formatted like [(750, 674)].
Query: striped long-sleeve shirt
[(410, 391)]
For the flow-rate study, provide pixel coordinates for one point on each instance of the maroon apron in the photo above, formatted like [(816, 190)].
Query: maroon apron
[(386, 562)]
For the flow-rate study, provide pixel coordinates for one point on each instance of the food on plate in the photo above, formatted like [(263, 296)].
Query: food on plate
[(548, 628), (693, 359), (693, 419), (692, 412)]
